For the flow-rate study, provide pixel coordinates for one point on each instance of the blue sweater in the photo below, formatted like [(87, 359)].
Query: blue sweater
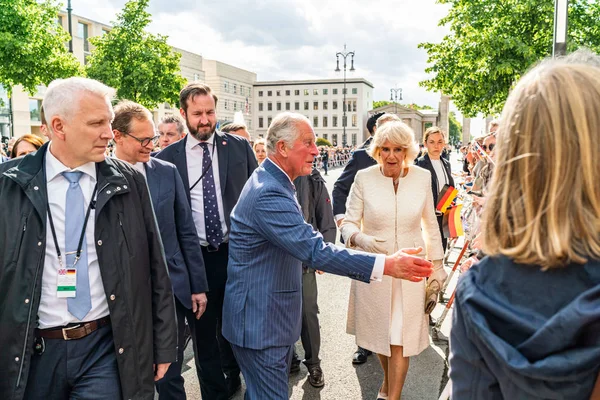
[(522, 333)]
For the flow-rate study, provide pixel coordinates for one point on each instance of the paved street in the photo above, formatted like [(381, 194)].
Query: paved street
[(343, 380)]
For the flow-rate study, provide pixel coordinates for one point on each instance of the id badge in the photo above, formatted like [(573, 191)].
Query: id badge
[(67, 281)]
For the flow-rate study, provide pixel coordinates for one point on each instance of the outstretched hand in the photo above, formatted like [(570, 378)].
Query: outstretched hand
[(404, 265)]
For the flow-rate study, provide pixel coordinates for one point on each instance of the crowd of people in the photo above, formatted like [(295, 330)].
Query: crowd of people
[(112, 256)]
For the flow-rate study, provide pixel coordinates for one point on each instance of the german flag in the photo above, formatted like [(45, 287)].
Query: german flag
[(446, 197), (451, 223)]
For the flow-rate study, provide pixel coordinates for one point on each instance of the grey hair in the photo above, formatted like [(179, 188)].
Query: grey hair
[(284, 127), (387, 117), (583, 56), (63, 94), (173, 119)]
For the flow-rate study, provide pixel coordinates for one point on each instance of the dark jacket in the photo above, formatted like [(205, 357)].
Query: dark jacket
[(177, 230), (316, 204), (522, 333), (425, 162), (360, 160), (132, 265)]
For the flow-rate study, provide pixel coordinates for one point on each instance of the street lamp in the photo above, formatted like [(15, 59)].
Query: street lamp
[(397, 94), (344, 54), (69, 9), (561, 17)]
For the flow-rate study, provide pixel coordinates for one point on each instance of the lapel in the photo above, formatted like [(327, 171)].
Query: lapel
[(222, 142), (111, 182), (30, 174), (180, 161), (153, 179), (279, 175), (434, 181)]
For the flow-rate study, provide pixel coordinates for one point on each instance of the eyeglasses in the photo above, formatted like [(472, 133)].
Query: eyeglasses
[(490, 147), (144, 142)]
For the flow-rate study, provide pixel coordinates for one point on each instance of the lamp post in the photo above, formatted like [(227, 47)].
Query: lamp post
[(397, 95), (561, 17), (345, 55), (69, 9)]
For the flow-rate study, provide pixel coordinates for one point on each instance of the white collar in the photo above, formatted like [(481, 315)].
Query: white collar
[(54, 167), (193, 142), (138, 165)]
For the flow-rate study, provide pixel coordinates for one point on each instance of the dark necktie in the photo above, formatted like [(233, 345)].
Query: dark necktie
[(212, 220)]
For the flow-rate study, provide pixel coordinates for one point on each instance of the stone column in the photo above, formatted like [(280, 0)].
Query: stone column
[(488, 119), (466, 130), (443, 112)]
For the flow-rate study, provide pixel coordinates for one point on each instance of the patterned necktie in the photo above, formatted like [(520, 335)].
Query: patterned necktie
[(212, 220), (81, 304)]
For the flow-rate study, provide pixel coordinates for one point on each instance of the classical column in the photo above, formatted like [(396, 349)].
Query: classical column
[(466, 130), (444, 111)]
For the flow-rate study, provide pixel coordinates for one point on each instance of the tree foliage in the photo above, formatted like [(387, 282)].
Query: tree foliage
[(455, 134), (32, 45), (141, 66), (413, 106), (323, 142), (493, 42)]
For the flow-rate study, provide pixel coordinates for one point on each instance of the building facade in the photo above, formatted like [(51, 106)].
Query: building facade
[(321, 101), (418, 120)]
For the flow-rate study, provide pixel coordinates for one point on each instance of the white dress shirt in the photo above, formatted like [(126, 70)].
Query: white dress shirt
[(53, 311), (138, 165), (195, 155), (442, 179), (377, 273)]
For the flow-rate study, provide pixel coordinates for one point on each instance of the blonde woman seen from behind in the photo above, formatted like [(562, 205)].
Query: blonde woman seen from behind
[(526, 321), (390, 207)]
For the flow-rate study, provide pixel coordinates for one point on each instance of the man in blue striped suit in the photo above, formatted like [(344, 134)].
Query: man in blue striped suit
[(268, 243)]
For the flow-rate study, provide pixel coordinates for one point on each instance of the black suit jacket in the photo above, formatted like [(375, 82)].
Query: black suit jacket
[(425, 162), (236, 163), (177, 230), (359, 160)]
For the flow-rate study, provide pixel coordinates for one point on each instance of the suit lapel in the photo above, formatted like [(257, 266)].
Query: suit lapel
[(222, 142), (153, 180), (180, 161)]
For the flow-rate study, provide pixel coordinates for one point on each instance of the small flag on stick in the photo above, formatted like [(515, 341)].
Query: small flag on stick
[(446, 197), (452, 224)]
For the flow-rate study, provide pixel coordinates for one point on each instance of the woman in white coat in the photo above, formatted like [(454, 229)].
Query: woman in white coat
[(390, 207)]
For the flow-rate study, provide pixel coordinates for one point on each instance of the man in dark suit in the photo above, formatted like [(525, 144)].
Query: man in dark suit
[(359, 160), (270, 241), (214, 167), (134, 139)]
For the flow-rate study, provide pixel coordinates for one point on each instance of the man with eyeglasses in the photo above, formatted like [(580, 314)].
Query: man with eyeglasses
[(135, 137)]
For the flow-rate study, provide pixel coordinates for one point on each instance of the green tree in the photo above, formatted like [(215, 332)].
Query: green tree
[(455, 135), (141, 66), (493, 42), (32, 45), (380, 103), (323, 142)]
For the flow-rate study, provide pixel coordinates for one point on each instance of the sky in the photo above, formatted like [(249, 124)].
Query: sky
[(298, 39)]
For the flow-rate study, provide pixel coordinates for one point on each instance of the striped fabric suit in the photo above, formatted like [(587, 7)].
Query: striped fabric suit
[(269, 241)]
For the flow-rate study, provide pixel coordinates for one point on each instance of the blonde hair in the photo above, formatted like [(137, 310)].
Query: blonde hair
[(544, 202), (399, 134), (386, 118), (259, 142), (432, 130)]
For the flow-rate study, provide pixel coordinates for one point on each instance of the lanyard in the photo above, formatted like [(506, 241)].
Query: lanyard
[(210, 164), (79, 247)]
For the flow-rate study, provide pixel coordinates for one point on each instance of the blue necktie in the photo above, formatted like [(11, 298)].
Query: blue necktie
[(212, 220), (81, 304)]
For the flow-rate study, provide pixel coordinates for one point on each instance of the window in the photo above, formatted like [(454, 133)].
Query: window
[(297, 105), (325, 91), (334, 121), (242, 90), (316, 92), (354, 139), (288, 92), (354, 106), (287, 106), (334, 139), (269, 121), (34, 109), (260, 106), (278, 93), (269, 106), (260, 93), (104, 31), (260, 122), (278, 106), (82, 32), (196, 77), (250, 124), (334, 91), (354, 90), (235, 88), (354, 119), (226, 104), (334, 105), (325, 121), (269, 93), (306, 105), (315, 122), (315, 105), (345, 91), (325, 136), (296, 92), (325, 104), (306, 92), (235, 106)]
